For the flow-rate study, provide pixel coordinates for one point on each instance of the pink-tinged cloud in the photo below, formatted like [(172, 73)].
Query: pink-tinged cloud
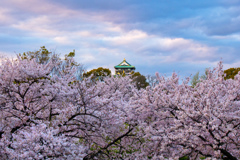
[(150, 35)]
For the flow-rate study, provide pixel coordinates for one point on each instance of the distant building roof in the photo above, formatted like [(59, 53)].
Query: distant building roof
[(124, 64)]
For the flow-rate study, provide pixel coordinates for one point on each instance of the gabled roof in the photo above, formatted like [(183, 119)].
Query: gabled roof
[(124, 64)]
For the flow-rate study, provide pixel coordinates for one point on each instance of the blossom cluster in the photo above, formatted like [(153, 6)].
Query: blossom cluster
[(44, 115)]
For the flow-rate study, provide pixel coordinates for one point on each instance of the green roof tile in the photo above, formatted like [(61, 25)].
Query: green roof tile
[(124, 64), (124, 67)]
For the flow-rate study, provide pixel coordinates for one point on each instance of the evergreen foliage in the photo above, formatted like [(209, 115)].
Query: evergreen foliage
[(231, 73), (98, 74), (139, 80)]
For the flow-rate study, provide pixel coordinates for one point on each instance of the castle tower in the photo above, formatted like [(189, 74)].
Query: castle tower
[(124, 67)]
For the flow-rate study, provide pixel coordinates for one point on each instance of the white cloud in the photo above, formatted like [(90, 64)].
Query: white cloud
[(5, 16), (87, 58), (63, 40), (104, 38), (38, 26), (166, 49), (127, 37)]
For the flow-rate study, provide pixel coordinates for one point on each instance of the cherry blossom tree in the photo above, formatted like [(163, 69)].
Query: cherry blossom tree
[(31, 98), (178, 120), (40, 142), (47, 113), (97, 116)]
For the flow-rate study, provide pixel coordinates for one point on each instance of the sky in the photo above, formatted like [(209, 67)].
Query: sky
[(164, 36)]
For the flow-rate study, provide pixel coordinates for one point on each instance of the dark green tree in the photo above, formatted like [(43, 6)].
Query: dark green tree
[(139, 80), (98, 74), (231, 73)]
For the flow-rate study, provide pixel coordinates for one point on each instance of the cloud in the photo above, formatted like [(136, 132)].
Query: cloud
[(127, 38), (5, 17), (162, 48), (149, 34)]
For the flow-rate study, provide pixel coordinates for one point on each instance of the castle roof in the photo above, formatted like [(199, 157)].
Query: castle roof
[(124, 64)]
